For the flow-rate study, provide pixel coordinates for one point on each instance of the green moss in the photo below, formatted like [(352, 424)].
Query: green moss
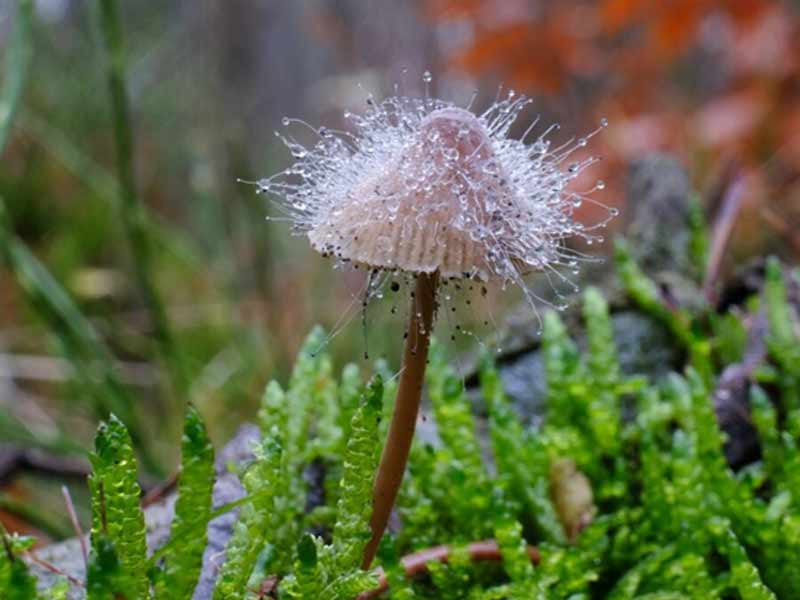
[(617, 507)]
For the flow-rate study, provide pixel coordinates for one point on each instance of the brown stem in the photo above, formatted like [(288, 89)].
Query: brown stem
[(73, 517), (54, 569), (414, 564), (404, 420), (724, 222)]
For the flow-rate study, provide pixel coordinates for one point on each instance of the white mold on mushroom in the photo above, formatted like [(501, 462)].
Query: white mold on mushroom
[(421, 185)]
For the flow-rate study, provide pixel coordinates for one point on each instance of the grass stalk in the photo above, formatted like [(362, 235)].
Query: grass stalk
[(133, 212), (78, 339), (18, 59)]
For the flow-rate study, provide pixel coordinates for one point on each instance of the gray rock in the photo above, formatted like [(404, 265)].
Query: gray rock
[(656, 214), (656, 218), (644, 347)]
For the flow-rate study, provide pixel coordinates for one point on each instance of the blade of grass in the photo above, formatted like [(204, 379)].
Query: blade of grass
[(18, 60), (133, 212), (81, 344), (102, 182)]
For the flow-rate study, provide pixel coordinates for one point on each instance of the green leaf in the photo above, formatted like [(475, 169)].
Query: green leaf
[(604, 369), (59, 591), (453, 412), (452, 579), (644, 292), (351, 531), (350, 390), (183, 564), (782, 341), (307, 552), (265, 482), (513, 548), (698, 239), (400, 587), (744, 575), (15, 579), (306, 581), (562, 371), (106, 578), (520, 458), (116, 513), (464, 491)]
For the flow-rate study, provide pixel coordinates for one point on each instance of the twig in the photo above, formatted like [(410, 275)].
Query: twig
[(158, 491), (54, 569), (54, 369), (414, 564), (731, 203), (76, 525), (15, 459), (44, 564), (784, 228)]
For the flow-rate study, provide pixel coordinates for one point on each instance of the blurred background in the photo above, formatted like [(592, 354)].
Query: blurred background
[(135, 285)]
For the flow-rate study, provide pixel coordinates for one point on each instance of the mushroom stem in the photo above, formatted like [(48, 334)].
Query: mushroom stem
[(404, 419)]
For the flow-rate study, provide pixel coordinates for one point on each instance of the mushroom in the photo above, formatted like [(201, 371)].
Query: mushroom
[(436, 192)]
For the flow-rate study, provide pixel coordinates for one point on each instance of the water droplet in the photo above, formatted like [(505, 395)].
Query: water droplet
[(427, 77), (603, 122), (600, 185), (582, 142), (285, 121)]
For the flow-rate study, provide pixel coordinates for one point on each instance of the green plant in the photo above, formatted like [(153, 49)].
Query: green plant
[(589, 503), (664, 516)]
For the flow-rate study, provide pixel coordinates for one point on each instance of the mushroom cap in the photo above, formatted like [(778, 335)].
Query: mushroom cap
[(436, 207)]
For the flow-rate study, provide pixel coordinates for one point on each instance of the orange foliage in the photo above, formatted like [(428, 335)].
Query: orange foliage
[(711, 79), (630, 49)]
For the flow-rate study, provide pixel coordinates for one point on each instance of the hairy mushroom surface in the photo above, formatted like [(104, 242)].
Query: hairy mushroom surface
[(434, 191)]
